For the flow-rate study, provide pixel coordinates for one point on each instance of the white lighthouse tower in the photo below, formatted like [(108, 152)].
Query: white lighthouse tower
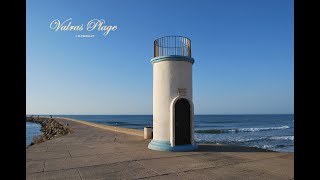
[(173, 114)]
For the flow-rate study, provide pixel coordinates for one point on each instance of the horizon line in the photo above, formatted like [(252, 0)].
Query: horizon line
[(152, 114)]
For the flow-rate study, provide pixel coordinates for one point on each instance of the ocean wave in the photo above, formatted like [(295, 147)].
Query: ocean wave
[(246, 140), (219, 131), (285, 138), (263, 129), (291, 138), (276, 143), (208, 139), (265, 146), (212, 131), (272, 147)]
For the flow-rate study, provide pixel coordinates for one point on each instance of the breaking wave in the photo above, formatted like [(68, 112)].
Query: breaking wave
[(219, 131)]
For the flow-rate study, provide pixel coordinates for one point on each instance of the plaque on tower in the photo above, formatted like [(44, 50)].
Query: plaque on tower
[(182, 91)]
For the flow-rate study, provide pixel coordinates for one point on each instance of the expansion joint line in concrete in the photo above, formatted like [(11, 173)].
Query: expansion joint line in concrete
[(79, 174), (44, 165), (99, 156), (111, 163), (147, 167), (69, 153), (213, 167)]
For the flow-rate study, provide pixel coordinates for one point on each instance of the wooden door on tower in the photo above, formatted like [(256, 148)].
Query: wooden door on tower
[(182, 122)]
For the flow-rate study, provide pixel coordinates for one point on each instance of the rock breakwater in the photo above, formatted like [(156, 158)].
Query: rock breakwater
[(50, 127)]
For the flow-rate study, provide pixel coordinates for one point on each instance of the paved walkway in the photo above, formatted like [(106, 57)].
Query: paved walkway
[(96, 153)]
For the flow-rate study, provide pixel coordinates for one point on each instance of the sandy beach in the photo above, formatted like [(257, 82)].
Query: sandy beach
[(96, 151)]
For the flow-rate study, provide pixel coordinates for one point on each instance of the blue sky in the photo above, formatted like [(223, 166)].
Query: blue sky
[(243, 53)]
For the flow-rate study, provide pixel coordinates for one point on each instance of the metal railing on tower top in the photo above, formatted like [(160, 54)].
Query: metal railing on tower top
[(172, 45)]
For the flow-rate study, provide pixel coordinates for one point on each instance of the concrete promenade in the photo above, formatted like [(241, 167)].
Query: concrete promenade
[(104, 152)]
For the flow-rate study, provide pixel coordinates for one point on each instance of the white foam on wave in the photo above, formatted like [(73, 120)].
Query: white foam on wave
[(279, 148), (267, 146), (261, 129), (288, 138), (282, 138), (245, 140)]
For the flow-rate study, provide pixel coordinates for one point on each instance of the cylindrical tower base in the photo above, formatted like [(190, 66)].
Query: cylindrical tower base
[(173, 113), (166, 146)]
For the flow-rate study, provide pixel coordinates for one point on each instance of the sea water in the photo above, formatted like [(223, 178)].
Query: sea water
[(32, 130)]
